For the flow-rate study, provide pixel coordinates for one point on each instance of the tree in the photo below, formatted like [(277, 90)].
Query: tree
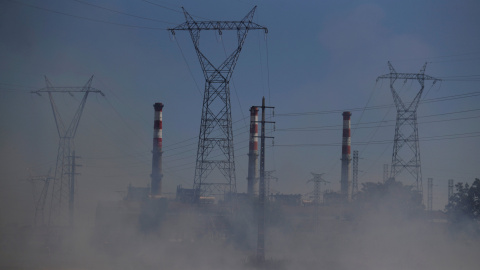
[(464, 205), (390, 197)]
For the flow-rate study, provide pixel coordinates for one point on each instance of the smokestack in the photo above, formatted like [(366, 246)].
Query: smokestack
[(157, 172), (346, 182), (252, 178)]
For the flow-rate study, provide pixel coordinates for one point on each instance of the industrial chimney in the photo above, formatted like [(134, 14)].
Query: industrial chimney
[(157, 172), (346, 182), (252, 178)]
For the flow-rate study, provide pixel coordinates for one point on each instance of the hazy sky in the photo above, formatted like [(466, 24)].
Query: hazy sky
[(318, 59)]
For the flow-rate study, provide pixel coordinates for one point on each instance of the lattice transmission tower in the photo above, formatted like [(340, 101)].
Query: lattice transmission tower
[(40, 199), (406, 148), (355, 172), (430, 194), (269, 176), (317, 196), (450, 190), (385, 173), (215, 140), (317, 189), (61, 206)]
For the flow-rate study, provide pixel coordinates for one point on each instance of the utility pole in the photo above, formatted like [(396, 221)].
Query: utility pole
[(216, 136), (261, 195), (64, 182), (406, 148)]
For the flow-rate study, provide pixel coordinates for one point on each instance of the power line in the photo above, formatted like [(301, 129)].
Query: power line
[(172, 9), (121, 12), (338, 127), (162, 6), (454, 55), (432, 138), (85, 18), (188, 67), (268, 69), (453, 97), (462, 78), (235, 89)]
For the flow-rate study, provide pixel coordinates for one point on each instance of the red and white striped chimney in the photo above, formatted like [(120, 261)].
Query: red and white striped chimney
[(252, 187), (157, 172), (345, 181)]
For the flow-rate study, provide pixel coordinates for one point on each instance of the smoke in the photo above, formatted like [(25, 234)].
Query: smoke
[(357, 236)]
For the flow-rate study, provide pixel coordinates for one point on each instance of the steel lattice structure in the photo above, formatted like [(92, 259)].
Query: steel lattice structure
[(268, 178), (385, 173), (450, 190), (406, 149), (429, 194), (41, 198), (215, 142), (62, 193), (317, 191), (355, 172)]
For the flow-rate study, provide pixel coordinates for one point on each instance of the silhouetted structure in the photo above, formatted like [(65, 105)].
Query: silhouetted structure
[(345, 181), (216, 137), (450, 189), (252, 184), (406, 149), (63, 190), (355, 173), (157, 170)]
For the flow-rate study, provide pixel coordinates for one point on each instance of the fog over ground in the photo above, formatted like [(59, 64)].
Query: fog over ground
[(318, 59), (373, 240)]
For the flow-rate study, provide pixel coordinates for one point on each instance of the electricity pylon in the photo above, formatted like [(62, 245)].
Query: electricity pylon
[(268, 178), (355, 173), (450, 190), (317, 181), (63, 190), (40, 199), (430, 194), (406, 148), (215, 140), (385, 173)]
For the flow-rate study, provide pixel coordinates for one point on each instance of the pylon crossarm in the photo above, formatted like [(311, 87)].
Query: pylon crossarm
[(192, 25), (218, 26), (407, 76), (67, 90)]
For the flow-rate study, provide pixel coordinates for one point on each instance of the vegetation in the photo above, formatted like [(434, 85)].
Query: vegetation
[(464, 206), (390, 197)]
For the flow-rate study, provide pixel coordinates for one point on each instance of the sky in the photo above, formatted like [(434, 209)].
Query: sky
[(319, 58)]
